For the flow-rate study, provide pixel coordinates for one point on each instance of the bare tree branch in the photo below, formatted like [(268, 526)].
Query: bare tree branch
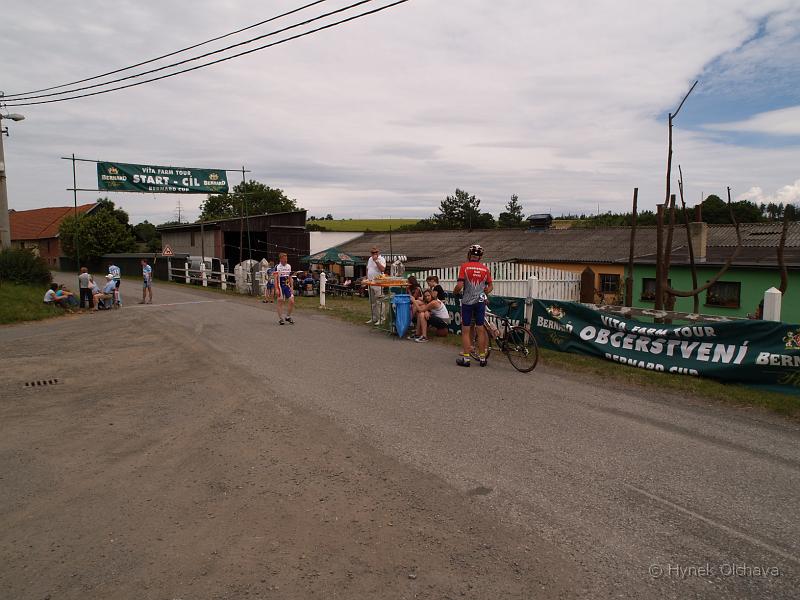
[(629, 278), (677, 110), (725, 267), (781, 246), (693, 267)]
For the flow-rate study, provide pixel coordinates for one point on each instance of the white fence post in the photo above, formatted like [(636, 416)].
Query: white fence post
[(203, 275), (532, 294), (186, 271), (223, 276), (322, 281), (169, 269), (772, 305)]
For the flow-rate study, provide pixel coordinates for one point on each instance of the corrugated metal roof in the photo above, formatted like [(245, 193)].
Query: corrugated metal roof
[(433, 249)]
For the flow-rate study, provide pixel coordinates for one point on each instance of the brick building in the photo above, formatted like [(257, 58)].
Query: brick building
[(37, 229)]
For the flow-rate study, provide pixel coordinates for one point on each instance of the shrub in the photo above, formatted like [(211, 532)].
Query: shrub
[(21, 265)]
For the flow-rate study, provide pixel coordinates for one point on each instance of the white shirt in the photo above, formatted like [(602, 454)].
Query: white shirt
[(373, 264), (49, 296), (284, 272)]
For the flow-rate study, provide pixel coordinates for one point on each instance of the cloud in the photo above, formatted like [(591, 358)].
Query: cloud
[(559, 103), (788, 194), (785, 121)]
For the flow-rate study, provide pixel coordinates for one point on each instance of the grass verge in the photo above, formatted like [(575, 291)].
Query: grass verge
[(20, 303)]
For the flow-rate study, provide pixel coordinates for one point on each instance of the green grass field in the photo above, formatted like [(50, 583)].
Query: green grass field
[(24, 303), (363, 224)]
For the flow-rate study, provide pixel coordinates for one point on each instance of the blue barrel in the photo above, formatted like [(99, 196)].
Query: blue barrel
[(402, 313)]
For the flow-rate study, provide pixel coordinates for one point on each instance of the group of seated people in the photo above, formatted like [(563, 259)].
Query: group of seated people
[(428, 311), (58, 295)]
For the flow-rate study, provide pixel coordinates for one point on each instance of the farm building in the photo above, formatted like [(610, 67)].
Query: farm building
[(605, 251), (256, 236), (37, 229)]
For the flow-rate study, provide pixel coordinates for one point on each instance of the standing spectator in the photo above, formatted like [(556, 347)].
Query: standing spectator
[(147, 282), (85, 288), (284, 289), (376, 265), (475, 280), (116, 275)]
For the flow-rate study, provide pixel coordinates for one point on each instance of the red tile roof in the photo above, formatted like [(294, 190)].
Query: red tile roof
[(41, 223)]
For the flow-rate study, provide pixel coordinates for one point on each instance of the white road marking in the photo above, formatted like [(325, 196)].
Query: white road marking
[(707, 521)]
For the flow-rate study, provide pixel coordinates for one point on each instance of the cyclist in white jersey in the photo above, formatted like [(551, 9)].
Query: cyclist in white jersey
[(283, 288)]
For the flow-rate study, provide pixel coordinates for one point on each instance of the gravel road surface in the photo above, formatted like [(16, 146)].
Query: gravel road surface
[(194, 448)]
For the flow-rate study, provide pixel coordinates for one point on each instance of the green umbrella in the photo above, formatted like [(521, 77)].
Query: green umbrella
[(332, 256)]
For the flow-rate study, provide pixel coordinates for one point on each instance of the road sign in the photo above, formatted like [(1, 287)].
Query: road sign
[(167, 251)]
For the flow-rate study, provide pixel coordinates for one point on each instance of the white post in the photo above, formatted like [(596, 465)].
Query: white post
[(169, 269), (223, 276), (772, 305), (322, 281), (203, 275), (186, 270), (533, 294)]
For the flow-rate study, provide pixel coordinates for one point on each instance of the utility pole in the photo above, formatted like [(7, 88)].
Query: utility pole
[(5, 223)]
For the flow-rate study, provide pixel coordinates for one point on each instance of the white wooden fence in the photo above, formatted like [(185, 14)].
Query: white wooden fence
[(511, 279)]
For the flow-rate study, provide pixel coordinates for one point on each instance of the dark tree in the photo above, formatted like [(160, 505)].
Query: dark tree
[(251, 198), (512, 217)]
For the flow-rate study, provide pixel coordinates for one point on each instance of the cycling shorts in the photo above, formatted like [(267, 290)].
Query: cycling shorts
[(473, 313)]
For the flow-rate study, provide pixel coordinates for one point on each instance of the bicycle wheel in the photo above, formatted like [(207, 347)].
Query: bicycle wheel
[(521, 349), (474, 347)]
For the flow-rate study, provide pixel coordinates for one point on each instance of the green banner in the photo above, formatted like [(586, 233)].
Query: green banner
[(760, 353), (121, 177), (513, 308)]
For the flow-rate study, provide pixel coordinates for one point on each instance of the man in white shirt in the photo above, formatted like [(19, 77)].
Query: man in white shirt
[(376, 265), (284, 288)]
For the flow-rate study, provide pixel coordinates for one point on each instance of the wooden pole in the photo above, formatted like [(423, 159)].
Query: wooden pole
[(629, 278), (692, 266), (659, 304), (669, 301)]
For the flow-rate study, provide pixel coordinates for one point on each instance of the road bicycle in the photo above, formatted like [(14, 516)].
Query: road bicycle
[(515, 341)]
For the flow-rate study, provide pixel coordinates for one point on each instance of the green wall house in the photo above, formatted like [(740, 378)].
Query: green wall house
[(741, 289), (736, 294)]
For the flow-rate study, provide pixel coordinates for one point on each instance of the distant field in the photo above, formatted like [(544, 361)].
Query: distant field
[(363, 224)]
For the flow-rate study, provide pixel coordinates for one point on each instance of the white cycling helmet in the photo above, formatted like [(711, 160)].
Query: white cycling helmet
[(475, 250)]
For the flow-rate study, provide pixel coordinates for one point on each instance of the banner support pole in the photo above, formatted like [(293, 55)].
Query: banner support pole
[(75, 202)]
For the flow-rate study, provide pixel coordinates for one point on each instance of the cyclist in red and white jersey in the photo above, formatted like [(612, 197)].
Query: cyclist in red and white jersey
[(475, 281)]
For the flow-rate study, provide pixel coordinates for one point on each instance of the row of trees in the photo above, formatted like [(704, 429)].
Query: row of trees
[(714, 209), (462, 210)]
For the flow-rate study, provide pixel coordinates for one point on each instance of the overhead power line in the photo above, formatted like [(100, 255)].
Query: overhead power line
[(175, 52), (201, 56), (214, 62)]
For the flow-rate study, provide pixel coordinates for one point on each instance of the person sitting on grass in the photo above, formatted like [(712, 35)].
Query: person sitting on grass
[(60, 296), (431, 312)]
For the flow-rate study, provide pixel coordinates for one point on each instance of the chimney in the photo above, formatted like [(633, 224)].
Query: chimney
[(699, 231)]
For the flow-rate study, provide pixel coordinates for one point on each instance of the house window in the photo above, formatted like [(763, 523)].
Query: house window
[(649, 288), (725, 294), (191, 236), (609, 284)]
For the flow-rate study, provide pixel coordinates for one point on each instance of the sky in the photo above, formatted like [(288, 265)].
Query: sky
[(564, 104)]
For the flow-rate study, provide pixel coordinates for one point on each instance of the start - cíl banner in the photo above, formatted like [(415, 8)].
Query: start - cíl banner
[(760, 353), (122, 177)]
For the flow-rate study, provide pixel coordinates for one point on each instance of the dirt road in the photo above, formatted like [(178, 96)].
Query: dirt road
[(196, 449)]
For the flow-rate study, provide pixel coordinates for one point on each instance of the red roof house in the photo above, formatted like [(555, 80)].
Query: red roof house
[(38, 229)]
